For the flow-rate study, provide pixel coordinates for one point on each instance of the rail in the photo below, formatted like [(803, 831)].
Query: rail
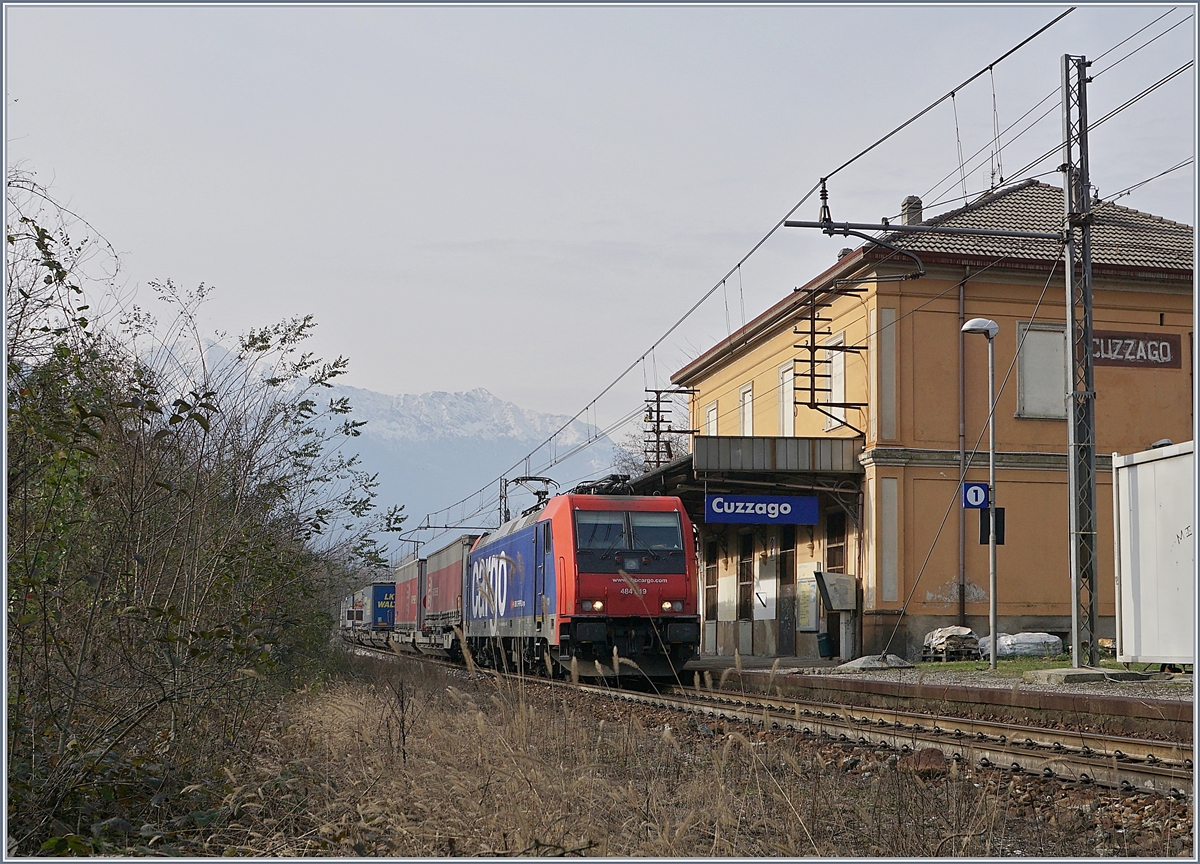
[(1117, 762)]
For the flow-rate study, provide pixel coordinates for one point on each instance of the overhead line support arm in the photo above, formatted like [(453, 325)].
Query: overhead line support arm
[(845, 228)]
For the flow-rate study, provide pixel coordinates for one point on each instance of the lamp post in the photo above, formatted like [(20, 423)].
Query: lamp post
[(989, 329)]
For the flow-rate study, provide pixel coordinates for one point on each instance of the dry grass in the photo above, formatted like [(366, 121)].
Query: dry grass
[(400, 759)]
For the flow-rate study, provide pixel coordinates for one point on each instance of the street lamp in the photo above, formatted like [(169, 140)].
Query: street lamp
[(989, 329)]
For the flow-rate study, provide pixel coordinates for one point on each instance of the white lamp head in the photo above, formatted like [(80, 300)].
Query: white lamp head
[(986, 326)]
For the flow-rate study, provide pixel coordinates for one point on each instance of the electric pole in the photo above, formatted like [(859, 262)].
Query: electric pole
[(656, 447), (1081, 392)]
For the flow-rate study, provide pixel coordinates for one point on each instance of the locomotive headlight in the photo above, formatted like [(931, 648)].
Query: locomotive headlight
[(666, 605), (672, 605), (677, 605), (593, 605)]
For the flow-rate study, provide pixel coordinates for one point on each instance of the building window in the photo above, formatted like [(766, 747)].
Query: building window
[(787, 399), (746, 410), (710, 580), (837, 381), (745, 607), (1042, 371), (835, 542), (710, 419)]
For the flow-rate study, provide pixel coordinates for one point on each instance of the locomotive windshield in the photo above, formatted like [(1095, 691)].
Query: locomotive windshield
[(609, 540), (600, 530), (656, 531)]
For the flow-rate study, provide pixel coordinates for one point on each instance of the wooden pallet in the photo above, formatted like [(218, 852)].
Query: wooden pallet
[(949, 656)]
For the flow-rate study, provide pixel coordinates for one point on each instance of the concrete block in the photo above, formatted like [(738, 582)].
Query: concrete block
[(1081, 676)]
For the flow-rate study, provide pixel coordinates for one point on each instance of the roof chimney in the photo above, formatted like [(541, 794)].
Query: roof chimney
[(910, 211), (844, 252)]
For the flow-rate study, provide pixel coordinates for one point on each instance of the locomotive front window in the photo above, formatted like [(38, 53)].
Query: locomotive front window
[(602, 530), (612, 541), (656, 531)]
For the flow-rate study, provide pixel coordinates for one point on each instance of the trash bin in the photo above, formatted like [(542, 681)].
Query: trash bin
[(824, 645)]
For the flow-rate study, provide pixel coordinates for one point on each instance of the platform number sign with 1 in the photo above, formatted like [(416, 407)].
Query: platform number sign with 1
[(975, 496)]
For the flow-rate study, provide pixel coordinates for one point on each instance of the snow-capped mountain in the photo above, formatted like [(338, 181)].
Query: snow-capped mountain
[(474, 414), (433, 449)]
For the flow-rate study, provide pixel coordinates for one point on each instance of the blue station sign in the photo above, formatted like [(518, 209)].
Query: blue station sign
[(760, 509), (975, 496)]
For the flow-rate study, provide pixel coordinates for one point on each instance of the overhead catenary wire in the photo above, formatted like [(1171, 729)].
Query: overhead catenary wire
[(593, 404), (997, 161), (554, 459), (489, 504), (1007, 184), (958, 141), (731, 389), (1013, 182), (950, 95), (1140, 47), (742, 296), (1096, 74), (974, 155), (728, 321), (1140, 183), (1133, 100), (1113, 113), (656, 343)]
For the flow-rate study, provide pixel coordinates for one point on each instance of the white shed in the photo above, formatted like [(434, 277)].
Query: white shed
[(1153, 508)]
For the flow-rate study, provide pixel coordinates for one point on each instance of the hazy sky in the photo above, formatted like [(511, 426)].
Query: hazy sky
[(524, 199)]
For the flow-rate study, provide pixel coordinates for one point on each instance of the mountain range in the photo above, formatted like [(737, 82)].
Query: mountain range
[(433, 449)]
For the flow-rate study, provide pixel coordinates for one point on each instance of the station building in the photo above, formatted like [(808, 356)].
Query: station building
[(858, 390)]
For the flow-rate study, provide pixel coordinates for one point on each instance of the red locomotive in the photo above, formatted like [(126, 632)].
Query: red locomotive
[(582, 577)]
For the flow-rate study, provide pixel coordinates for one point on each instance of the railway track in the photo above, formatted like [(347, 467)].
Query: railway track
[(1130, 764), (1083, 757)]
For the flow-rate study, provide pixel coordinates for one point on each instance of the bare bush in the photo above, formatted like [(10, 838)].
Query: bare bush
[(180, 522)]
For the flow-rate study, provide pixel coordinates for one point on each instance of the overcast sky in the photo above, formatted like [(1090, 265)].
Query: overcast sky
[(524, 199)]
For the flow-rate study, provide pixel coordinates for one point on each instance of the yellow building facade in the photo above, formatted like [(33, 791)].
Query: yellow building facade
[(913, 397)]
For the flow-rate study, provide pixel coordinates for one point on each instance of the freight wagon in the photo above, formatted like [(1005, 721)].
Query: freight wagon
[(351, 615), (410, 592), (368, 613), (442, 599)]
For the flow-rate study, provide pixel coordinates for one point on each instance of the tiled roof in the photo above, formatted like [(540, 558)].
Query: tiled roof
[(1120, 236)]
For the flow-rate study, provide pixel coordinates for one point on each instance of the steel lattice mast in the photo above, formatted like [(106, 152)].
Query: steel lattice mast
[(1081, 391)]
